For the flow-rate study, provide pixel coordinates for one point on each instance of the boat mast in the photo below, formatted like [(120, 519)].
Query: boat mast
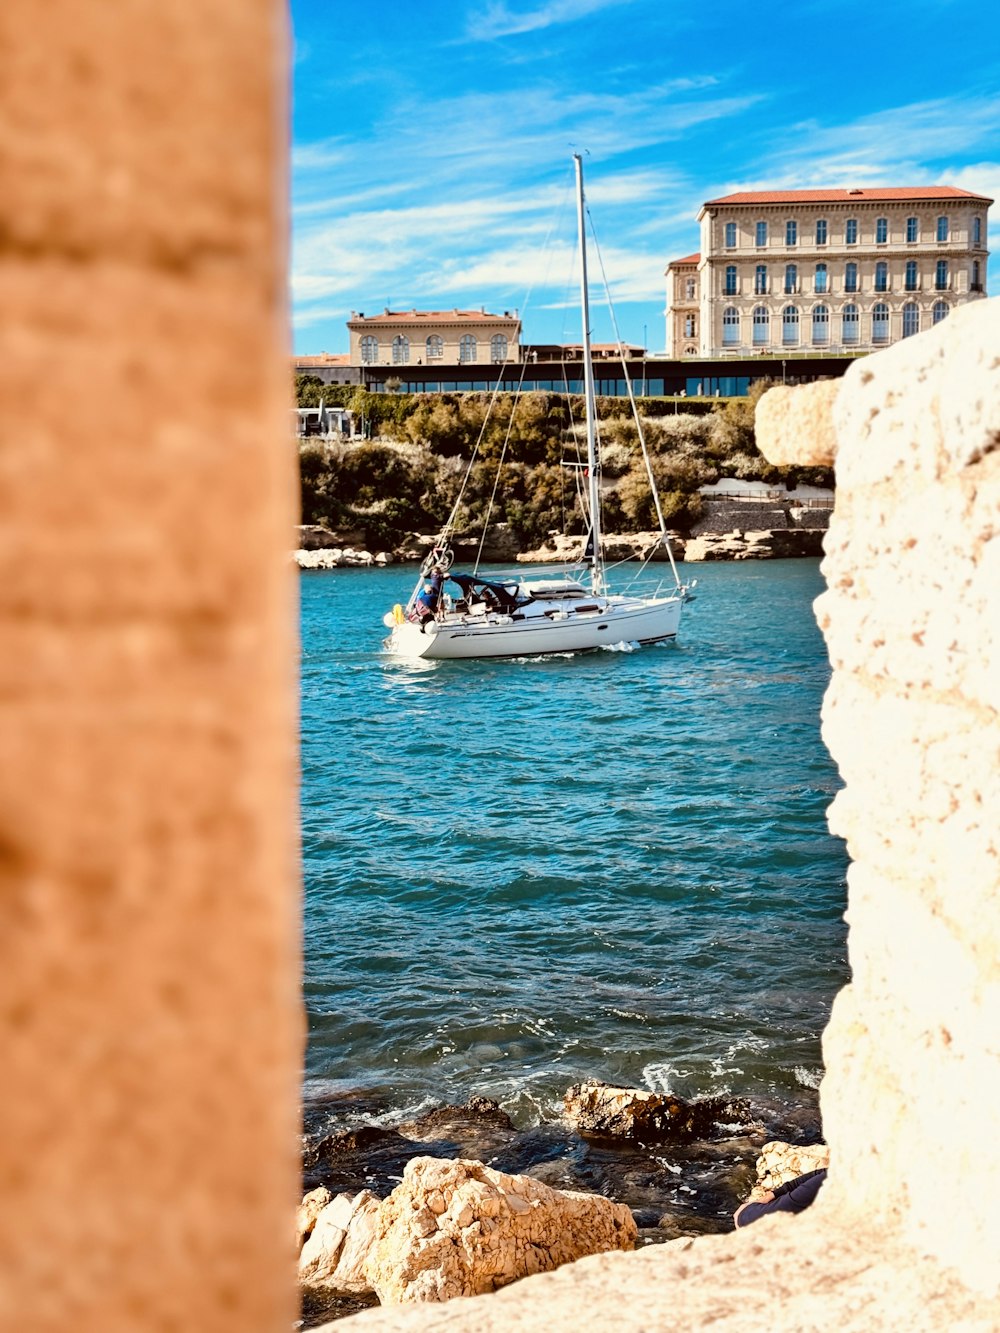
[(596, 566)]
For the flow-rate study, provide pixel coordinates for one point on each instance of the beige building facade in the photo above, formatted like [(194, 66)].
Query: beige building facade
[(842, 271), (683, 309), (428, 337)]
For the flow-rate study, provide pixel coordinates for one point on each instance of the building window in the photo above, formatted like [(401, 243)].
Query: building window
[(760, 280), (942, 229), (761, 233), (730, 280), (941, 276), (881, 231), (791, 233), (400, 350), (761, 326), (821, 231), (730, 326), (940, 311), (790, 326), (851, 278), (369, 350), (849, 324), (434, 347), (689, 288), (791, 278), (911, 319), (881, 277), (498, 348), (977, 282), (690, 330), (910, 283), (880, 322), (851, 231), (977, 231), (912, 229), (730, 235), (821, 324), (820, 281), (467, 348)]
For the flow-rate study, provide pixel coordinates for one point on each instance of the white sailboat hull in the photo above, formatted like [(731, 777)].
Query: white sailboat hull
[(541, 629)]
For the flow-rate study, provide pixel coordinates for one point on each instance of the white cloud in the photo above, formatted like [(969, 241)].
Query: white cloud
[(500, 20)]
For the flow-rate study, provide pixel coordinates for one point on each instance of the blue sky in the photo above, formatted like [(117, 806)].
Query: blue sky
[(432, 141)]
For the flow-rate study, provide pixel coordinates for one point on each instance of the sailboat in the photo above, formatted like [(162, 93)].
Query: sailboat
[(569, 611)]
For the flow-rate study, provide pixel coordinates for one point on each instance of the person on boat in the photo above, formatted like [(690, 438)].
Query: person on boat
[(794, 1196), (429, 598)]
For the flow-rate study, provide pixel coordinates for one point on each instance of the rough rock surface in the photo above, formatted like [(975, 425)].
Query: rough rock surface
[(334, 1254), (763, 544), (647, 1117), (459, 1229), (309, 1209), (780, 1162)]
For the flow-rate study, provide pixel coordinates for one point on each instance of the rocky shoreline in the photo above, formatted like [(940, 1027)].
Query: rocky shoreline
[(459, 1199)]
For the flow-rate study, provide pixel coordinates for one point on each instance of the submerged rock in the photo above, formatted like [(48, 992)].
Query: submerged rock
[(458, 1228), (648, 1117)]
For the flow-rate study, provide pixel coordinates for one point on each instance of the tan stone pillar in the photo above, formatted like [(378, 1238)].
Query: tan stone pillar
[(149, 1026)]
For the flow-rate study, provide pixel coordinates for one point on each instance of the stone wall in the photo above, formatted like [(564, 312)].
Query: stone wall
[(903, 1235), (149, 1016)]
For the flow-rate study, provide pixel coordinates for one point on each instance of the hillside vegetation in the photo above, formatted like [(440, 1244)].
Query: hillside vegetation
[(407, 477)]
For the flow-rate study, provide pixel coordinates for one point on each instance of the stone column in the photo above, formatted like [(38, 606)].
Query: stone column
[(148, 902)]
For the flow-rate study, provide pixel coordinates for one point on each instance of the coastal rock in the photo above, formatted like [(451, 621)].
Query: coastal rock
[(458, 1228), (760, 544), (648, 1117), (334, 1255), (309, 1209), (780, 1162), (559, 548), (476, 1114)]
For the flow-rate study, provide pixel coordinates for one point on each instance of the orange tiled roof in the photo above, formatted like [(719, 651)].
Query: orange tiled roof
[(428, 316), (688, 259), (880, 194)]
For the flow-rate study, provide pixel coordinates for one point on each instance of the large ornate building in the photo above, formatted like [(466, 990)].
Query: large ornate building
[(837, 271), (429, 337)]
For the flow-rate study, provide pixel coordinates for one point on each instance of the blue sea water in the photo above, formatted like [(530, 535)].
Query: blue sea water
[(615, 865)]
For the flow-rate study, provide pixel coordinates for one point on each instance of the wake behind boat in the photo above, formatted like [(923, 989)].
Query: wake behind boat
[(524, 615)]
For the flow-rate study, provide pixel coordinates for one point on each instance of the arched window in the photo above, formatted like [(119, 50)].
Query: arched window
[(880, 322), (761, 326), (881, 277), (820, 284), (791, 278), (730, 280), (821, 324), (690, 326), (369, 350), (849, 324), (434, 347), (881, 231), (911, 319), (940, 311), (730, 235), (498, 348), (941, 275), (850, 277), (467, 348), (790, 326), (911, 275), (912, 229), (400, 350), (760, 280), (730, 326), (977, 282), (942, 229)]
